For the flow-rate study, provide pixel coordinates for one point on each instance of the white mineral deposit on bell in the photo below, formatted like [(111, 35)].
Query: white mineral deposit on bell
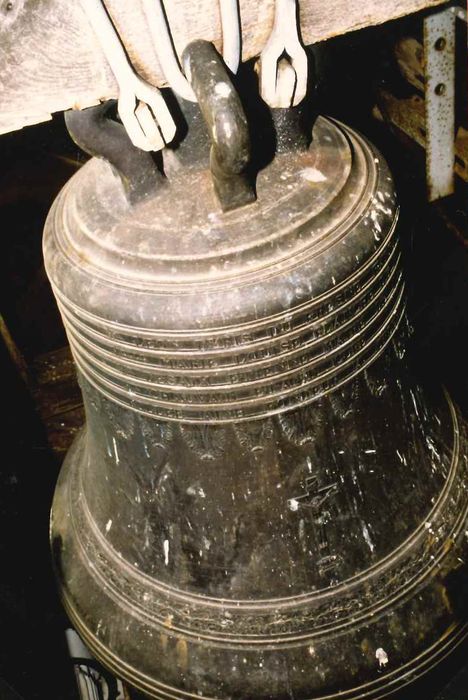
[(313, 175), (194, 491), (222, 89), (367, 538), (293, 504), (381, 656), (115, 451)]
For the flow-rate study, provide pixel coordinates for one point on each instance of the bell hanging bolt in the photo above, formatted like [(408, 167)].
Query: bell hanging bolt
[(141, 106), (283, 62)]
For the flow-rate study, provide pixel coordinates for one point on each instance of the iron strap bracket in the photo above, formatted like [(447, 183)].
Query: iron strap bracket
[(439, 91)]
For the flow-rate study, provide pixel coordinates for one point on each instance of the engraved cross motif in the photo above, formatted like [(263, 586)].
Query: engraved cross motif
[(315, 498)]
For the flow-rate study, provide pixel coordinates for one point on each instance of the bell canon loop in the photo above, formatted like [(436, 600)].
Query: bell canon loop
[(264, 502)]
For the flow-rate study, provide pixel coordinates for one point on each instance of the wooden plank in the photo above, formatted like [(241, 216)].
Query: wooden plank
[(58, 398), (62, 430), (50, 59), (56, 386)]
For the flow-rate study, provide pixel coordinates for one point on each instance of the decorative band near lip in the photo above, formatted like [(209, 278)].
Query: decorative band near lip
[(374, 690), (289, 619)]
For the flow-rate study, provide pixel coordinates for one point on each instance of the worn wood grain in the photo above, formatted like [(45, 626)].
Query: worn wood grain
[(50, 59), (58, 398)]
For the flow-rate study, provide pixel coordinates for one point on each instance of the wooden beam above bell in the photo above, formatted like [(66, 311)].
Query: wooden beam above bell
[(51, 60)]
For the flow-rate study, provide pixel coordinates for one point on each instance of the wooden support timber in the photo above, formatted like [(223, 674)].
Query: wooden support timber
[(51, 61)]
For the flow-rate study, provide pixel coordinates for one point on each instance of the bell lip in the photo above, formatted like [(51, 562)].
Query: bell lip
[(393, 681), (451, 633)]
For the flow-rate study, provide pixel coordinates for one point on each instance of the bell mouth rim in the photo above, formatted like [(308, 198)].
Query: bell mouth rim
[(398, 678)]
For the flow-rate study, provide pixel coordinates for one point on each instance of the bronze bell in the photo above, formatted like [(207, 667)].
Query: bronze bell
[(264, 503)]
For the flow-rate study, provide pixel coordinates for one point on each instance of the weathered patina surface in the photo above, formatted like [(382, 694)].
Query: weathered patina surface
[(265, 502)]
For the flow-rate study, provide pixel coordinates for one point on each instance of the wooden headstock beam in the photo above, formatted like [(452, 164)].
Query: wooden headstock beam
[(51, 61)]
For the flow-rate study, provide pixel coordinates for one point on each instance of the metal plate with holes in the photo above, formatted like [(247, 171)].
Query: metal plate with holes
[(439, 51)]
